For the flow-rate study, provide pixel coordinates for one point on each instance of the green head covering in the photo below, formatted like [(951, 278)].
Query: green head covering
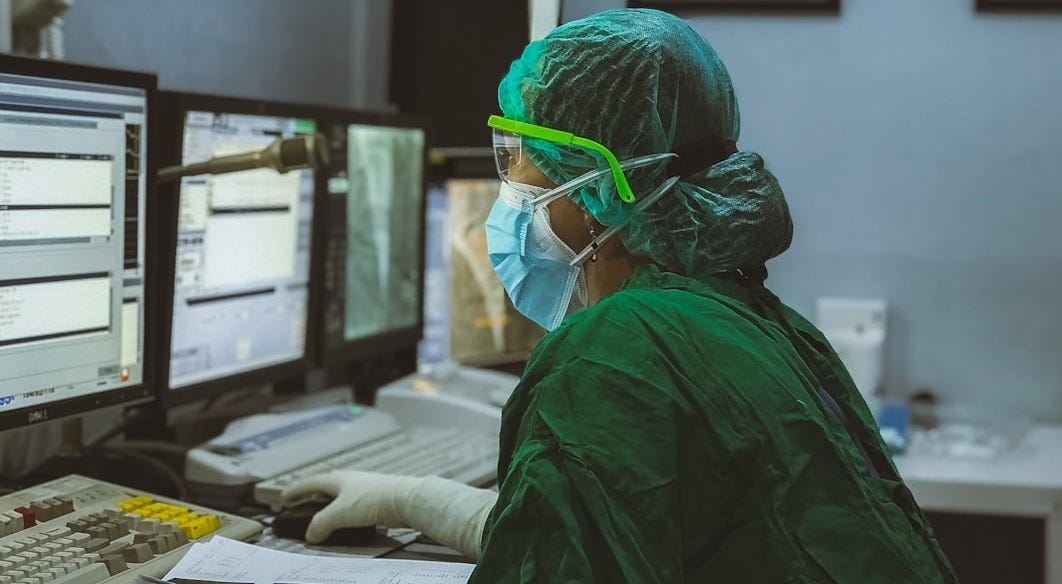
[(643, 82)]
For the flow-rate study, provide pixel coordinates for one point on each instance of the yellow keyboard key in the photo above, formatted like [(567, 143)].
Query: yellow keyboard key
[(194, 530), (149, 510), (201, 526), (163, 511), (177, 509), (135, 503)]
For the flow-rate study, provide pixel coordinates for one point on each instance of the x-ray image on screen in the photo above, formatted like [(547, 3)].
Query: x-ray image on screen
[(383, 223), (484, 327)]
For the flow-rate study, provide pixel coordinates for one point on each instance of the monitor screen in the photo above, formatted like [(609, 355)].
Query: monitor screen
[(374, 255), (73, 179), (243, 253), (469, 319)]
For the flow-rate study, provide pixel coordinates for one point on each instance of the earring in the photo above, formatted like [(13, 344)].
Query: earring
[(593, 237)]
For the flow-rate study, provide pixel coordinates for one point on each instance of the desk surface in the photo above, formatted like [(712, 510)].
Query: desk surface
[(1024, 481), (1035, 462)]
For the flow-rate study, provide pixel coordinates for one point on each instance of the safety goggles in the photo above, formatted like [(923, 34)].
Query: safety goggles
[(508, 149)]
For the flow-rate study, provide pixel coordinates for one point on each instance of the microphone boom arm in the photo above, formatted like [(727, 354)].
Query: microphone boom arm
[(283, 155)]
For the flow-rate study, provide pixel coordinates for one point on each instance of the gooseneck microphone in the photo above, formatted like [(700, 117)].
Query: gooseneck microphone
[(284, 154)]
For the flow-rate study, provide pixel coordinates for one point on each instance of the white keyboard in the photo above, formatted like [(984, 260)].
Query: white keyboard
[(451, 453), (77, 530)]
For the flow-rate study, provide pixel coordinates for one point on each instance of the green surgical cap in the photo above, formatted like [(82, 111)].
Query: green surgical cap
[(644, 82)]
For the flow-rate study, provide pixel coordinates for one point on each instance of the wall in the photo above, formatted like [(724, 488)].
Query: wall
[(5, 26), (330, 52), (920, 146)]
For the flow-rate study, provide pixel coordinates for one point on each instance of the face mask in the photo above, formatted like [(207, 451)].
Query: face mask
[(544, 277), (531, 261)]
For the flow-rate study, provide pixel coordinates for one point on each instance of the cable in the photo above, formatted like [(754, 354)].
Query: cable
[(154, 447), (130, 451), (208, 404), (111, 432), (176, 479), (213, 401)]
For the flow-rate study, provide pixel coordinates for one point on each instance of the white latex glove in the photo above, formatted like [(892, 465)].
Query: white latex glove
[(449, 512)]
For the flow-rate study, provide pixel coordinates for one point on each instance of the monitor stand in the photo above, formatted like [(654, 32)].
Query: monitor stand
[(71, 438), (119, 466)]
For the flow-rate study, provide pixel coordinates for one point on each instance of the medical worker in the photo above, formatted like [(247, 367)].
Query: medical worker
[(678, 423)]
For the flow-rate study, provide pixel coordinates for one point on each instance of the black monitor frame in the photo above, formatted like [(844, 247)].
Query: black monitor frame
[(142, 392), (173, 107), (359, 350)]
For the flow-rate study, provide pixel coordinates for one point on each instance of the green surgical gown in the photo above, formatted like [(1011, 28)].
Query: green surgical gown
[(675, 432)]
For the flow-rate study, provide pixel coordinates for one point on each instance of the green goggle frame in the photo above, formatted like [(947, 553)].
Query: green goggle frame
[(567, 139)]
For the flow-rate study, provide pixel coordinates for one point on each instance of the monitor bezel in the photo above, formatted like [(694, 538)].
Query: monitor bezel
[(387, 341), (173, 107), (142, 392)]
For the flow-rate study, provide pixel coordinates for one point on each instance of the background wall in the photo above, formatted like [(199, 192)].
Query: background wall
[(330, 52), (920, 147)]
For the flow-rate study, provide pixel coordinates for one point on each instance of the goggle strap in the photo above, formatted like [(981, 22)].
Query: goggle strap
[(611, 232), (577, 183)]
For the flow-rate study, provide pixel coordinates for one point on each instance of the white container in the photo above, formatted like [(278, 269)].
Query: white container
[(856, 329)]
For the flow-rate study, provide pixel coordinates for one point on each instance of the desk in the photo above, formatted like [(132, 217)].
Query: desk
[(1027, 482), (402, 544)]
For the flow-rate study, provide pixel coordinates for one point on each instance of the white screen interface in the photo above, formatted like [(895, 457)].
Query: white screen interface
[(243, 254), (372, 268), (72, 215)]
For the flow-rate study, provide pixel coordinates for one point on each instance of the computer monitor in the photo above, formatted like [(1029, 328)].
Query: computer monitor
[(74, 176), (473, 321), (371, 263), (241, 250)]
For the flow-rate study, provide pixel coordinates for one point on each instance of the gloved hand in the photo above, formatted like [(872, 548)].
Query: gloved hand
[(449, 512)]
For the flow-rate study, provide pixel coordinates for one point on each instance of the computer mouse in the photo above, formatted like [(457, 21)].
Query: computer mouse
[(292, 522)]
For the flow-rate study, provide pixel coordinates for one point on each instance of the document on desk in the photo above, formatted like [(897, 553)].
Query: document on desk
[(225, 560)]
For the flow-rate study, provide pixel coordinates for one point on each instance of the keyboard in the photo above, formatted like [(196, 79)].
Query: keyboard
[(77, 530), (451, 453)]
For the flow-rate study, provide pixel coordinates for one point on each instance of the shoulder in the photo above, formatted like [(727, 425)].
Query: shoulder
[(636, 321), (635, 309), (643, 330)]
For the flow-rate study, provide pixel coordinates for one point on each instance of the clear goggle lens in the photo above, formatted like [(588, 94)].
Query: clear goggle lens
[(508, 152)]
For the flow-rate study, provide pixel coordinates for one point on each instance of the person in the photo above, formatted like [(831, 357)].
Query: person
[(678, 423)]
